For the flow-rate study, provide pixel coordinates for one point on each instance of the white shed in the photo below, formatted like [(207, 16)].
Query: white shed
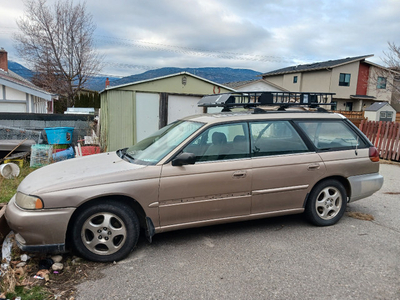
[(380, 111)]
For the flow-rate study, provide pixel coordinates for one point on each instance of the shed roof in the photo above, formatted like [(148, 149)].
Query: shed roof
[(316, 66), (164, 77), (376, 106)]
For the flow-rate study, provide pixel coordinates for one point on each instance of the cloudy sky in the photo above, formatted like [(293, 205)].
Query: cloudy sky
[(138, 35)]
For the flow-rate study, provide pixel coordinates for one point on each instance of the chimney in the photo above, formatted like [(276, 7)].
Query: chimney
[(107, 82), (3, 60)]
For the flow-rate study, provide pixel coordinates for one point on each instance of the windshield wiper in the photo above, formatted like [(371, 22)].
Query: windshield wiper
[(123, 153)]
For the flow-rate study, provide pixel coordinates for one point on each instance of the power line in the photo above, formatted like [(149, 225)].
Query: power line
[(191, 51)]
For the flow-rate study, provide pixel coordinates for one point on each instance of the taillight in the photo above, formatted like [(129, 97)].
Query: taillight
[(373, 154)]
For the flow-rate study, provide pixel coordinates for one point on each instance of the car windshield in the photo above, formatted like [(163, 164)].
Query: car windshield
[(155, 147)]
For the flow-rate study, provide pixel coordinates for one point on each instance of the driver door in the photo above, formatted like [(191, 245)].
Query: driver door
[(216, 187)]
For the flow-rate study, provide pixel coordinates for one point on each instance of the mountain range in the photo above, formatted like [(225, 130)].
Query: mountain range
[(97, 83)]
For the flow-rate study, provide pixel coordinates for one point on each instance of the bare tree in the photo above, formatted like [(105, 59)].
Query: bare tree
[(58, 44), (392, 61)]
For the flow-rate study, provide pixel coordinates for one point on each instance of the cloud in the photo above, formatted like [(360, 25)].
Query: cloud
[(260, 35)]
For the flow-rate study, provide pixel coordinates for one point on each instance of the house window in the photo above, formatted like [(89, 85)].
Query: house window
[(344, 79), (294, 79), (381, 83)]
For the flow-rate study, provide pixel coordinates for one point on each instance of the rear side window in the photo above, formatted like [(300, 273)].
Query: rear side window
[(327, 135), (275, 138)]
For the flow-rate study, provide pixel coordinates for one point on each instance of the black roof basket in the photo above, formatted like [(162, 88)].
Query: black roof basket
[(256, 99)]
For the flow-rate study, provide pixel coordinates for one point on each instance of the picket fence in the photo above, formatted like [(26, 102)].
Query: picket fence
[(385, 136)]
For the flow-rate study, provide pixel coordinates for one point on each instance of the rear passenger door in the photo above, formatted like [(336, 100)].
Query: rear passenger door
[(343, 151), (284, 167)]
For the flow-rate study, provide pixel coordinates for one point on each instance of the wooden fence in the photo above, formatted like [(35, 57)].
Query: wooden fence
[(354, 116), (385, 136)]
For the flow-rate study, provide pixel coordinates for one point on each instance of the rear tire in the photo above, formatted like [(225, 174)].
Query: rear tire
[(107, 231), (327, 203)]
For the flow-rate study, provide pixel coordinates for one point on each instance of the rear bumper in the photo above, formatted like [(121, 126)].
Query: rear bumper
[(39, 230), (363, 186)]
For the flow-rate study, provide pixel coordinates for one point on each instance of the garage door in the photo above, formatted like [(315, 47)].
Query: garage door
[(182, 106)]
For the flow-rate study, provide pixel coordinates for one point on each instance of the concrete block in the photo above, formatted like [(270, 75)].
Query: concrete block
[(8, 123), (37, 125), (53, 124), (23, 124), (67, 123)]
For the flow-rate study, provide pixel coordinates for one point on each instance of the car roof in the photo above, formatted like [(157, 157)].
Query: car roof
[(268, 115)]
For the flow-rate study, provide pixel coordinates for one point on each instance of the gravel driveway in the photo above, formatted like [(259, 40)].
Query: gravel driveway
[(277, 258)]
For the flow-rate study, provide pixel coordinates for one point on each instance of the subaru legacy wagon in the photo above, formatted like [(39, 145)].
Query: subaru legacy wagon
[(202, 170)]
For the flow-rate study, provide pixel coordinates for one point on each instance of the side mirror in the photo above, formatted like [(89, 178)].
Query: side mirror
[(184, 159)]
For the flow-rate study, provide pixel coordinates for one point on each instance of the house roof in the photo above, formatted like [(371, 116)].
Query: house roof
[(13, 80), (376, 106), (164, 77), (238, 84), (316, 66)]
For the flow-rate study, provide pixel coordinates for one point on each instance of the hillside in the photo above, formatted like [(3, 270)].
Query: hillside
[(218, 75)]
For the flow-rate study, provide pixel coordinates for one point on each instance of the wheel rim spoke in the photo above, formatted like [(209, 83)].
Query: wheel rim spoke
[(329, 203), (104, 233)]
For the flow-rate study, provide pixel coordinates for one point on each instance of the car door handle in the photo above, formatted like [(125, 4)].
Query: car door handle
[(312, 167), (239, 174)]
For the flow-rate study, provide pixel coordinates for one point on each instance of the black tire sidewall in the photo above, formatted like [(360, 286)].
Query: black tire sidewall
[(311, 212), (127, 216)]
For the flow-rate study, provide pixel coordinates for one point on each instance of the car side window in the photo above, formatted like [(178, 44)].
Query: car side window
[(275, 138), (327, 135), (221, 142)]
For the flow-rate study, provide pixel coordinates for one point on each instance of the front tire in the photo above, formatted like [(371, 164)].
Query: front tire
[(327, 203), (107, 231)]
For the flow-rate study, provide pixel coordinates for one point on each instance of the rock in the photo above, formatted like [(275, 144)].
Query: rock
[(57, 258), (76, 260), (57, 266), (24, 257)]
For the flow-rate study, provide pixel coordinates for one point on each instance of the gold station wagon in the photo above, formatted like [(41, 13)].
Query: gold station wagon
[(203, 170)]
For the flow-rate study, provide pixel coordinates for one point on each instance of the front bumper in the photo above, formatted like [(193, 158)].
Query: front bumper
[(39, 230), (363, 186)]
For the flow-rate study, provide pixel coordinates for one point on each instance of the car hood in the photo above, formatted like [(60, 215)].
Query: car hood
[(84, 171)]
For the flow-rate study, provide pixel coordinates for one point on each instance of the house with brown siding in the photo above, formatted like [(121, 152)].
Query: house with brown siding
[(356, 82)]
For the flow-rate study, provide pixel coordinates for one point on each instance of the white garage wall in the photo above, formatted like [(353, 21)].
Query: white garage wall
[(182, 106), (12, 107), (147, 114)]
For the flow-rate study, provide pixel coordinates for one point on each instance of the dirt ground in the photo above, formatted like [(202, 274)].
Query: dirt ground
[(58, 284)]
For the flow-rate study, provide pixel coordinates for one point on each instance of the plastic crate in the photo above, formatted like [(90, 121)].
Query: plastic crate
[(41, 155), (89, 150), (59, 135)]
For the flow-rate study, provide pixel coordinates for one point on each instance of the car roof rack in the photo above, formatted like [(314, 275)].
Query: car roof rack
[(266, 98)]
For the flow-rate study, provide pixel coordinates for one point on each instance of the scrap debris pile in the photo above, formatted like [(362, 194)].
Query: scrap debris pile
[(58, 274)]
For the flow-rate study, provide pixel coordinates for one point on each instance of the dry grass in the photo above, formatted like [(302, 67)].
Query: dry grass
[(360, 216)]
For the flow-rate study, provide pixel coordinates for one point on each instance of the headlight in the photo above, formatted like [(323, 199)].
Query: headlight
[(28, 202)]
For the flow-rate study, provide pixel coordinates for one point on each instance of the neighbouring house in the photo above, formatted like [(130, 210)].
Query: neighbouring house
[(19, 95), (356, 82), (132, 111), (255, 86), (380, 111)]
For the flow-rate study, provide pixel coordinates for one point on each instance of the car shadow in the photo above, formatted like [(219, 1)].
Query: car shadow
[(234, 229)]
